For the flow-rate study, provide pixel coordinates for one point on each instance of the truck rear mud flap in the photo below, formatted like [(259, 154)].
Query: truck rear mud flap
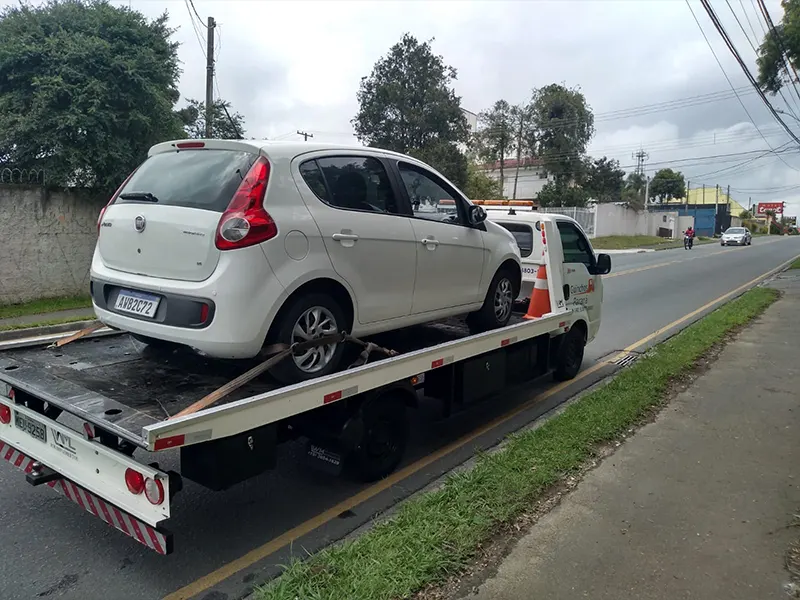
[(157, 539)]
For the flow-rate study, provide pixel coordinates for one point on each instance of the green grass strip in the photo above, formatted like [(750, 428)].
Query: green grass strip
[(435, 534), (630, 242), (795, 264), (46, 323), (43, 306)]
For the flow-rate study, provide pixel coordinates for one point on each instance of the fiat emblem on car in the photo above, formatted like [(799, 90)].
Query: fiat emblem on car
[(139, 223)]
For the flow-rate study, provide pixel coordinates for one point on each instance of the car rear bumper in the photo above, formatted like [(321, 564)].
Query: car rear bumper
[(242, 296)]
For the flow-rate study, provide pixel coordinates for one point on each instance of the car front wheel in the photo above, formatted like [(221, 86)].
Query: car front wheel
[(309, 317), (497, 305)]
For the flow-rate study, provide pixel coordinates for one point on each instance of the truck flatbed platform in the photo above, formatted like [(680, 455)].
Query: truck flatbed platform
[(122, 385)]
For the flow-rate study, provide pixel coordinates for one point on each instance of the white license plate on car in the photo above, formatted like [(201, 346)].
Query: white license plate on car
[(137, 303)]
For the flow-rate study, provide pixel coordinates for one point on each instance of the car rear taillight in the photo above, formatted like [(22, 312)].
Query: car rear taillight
[(245, 222), (135, 481), (190, 145), (5, 414), (113, 198), (203, 313)]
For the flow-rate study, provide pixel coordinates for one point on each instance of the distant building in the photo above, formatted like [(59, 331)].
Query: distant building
[(700, 196), (530, 179)]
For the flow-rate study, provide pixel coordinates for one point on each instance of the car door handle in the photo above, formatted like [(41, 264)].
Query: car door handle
[(429, 241), (344, 236)]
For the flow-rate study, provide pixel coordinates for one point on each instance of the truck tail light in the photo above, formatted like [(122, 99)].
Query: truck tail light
[(245, 222), (154, 491), (135, 481), (5, 414)]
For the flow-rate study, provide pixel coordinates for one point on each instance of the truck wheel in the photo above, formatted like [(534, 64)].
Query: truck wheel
[(496, 310), (308, 317), (569, 355), (384, 440)]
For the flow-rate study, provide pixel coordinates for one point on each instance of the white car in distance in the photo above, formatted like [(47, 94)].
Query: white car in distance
[(225, 246)]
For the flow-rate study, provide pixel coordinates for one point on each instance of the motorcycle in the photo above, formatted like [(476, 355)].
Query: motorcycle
[(688, 242)]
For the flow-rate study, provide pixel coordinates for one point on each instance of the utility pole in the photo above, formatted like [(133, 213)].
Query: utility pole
[(641, 157), (210, 75), (728, 194), (646, 192), (716, 208), (305, 135), (688, 189)]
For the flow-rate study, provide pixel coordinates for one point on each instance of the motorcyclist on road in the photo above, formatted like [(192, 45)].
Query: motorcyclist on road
[(688, 240), (690, 232)]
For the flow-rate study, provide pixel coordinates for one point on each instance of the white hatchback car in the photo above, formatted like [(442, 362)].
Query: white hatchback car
[(225, 246)]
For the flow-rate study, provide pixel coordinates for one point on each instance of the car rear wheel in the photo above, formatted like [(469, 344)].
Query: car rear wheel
[(497, 306), (309, 317)]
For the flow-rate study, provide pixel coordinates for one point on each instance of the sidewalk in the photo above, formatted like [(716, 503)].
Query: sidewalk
[(77, 313), (696, 505)]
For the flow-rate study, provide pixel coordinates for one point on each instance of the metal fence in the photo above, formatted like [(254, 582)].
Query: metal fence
[(15, 175), (584, 216)]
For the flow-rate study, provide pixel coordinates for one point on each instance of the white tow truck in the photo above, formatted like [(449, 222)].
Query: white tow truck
[(74, 417)]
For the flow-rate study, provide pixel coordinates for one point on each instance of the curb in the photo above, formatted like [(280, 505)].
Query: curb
[(28, 332)]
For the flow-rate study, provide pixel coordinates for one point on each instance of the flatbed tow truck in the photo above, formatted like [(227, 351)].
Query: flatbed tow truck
[(73, 417)]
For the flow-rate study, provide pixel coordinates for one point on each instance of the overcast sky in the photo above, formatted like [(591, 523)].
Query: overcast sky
[(296, 65)]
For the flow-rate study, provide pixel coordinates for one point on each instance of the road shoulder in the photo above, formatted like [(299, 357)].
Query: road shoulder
[(698, 503)]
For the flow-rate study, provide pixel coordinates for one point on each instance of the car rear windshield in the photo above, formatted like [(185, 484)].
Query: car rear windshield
[(523, 235), (204, 179), (735, 230)]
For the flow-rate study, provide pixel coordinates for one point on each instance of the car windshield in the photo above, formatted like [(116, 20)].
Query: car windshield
[(205, 179), (735, 230)]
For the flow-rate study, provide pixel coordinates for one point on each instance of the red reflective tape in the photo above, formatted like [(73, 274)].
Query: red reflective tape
[(437, 363), (332, 397), (19, 460), (562, 324), (92, 503), (10, 453), (29, 467), (76, 492), (505, 342), (170, 442), (106, 515), (137, 529), (154, 539), (2, 445), (121, 521)]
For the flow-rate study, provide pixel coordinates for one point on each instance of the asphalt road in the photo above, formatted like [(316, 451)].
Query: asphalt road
[(53, 550)]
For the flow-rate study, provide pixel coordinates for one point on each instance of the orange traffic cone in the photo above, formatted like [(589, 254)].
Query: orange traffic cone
[(540, 297)]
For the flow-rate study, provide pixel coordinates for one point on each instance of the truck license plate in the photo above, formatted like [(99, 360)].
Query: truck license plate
[(30, 426), (137, 303)]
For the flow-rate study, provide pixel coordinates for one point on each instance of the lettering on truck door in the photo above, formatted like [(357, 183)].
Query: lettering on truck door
[(585, 289)]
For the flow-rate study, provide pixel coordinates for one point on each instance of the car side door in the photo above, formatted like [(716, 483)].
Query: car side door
[(450, 253), (366, 231), (584, 288)]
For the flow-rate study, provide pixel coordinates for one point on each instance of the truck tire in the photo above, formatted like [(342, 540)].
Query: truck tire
[(497, 306), (322, 315), (569, 355), (384, 439)]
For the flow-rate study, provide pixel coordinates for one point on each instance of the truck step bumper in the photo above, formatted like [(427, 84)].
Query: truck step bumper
[(157, 539)]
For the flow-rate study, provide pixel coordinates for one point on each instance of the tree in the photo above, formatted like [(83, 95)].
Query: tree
[(562, 126), (633, 191), (86, 88), (783, 43), (667, 184), (407, 102), (496, 137), (745, 215), (225, 123), (480, 186), (556, 193), (604, 179)]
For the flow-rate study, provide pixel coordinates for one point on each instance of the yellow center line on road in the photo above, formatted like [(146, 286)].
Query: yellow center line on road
[(243, 562), (676, 262)]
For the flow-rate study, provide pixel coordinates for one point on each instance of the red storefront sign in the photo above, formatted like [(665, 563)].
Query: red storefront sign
[(763, 207)]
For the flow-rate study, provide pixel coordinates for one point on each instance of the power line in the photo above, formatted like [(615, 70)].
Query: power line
[(721, 30), (199, 18), (719, 63), (779, 42), (196, 31), (755, 51)]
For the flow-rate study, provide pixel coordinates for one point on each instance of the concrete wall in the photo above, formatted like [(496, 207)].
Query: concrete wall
[(47, 242), (530, 182), (618, 219)]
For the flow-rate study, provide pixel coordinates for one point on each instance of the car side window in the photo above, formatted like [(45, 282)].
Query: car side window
[(351, 183), (575, 245), (430, 198), (523, 234)]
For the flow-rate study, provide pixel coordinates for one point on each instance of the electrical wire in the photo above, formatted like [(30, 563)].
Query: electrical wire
[(719, 63), (726, 38), (196, 31)]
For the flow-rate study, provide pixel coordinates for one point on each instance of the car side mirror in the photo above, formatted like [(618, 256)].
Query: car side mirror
[(603, 266), (476, 215)]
